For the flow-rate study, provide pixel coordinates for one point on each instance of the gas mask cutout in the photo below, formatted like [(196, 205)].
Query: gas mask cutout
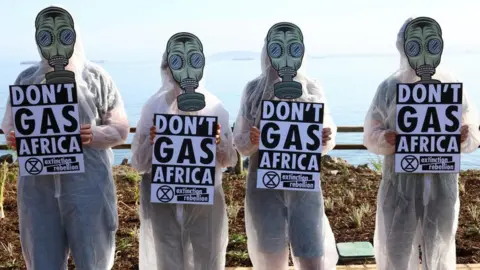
[(55, 36), (285, 49), (186, 62), (423, 47)]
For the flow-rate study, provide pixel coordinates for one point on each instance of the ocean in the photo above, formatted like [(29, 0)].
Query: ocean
[(349, 82)]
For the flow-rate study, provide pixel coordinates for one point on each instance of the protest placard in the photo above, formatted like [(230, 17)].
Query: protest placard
[(428, 124), (184, 159), (290, 147), (47, 128)]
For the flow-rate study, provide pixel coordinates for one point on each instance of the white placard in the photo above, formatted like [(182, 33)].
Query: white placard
[(290, 148), (47, 129), (428, 122), (184, 159)]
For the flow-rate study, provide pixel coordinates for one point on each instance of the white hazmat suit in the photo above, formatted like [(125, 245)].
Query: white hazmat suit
[(74, 211), (276, 219), (176, 236), (413, 209)]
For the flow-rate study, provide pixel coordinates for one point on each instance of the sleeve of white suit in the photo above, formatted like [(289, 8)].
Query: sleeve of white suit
[(226, 154), (375, 124)]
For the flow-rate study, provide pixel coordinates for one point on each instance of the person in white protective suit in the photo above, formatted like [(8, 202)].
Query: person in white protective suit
[(176, 236), (75, 212), (414, 209), (276, 219)]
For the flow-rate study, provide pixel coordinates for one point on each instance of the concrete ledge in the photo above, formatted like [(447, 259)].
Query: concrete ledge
[(369, 267)]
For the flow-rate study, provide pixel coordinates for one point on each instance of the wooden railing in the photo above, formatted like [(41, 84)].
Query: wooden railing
[(344, 129)]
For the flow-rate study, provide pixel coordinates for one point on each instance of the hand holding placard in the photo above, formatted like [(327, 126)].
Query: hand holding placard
[(326, 132), (86, 134), (11, 140), (217, 136), (464, 134), (254, 135), (152, 134), (390, 136)]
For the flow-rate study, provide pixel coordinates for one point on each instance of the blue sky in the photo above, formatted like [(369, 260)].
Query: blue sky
[(138, 29)]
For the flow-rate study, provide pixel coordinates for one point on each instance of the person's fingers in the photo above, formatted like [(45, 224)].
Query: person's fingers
[(85, 131), (464, 135), (86, 139), (85, 126), (11, 140)]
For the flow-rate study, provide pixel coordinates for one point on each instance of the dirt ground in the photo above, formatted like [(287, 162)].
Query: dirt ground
[(350, 203)]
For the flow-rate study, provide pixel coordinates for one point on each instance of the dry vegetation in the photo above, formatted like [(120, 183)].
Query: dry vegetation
[(350, 203)]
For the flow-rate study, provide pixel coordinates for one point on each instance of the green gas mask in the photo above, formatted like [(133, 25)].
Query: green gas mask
[(285, 49), (55, 37), (423, 46), (186, 62)]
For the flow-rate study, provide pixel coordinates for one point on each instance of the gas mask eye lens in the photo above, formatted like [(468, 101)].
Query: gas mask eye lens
[(296, 49), (434, 46), (196, 60), (275, 50), (175, 62), (412, 48), (44, 38), (67, 37)]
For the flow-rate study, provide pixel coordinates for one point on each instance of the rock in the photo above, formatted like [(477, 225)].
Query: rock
[(328, 159), (124, 162), (6, 158), (363, 166), (341, 161), (332, 172), (352, 180)]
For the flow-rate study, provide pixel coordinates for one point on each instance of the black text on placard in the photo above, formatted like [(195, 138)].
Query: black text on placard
[(428, 123), (47, 128), (290, 145), (184, 159)]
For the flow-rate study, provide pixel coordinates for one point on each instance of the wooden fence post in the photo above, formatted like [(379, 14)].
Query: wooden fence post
[(239, 166)]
